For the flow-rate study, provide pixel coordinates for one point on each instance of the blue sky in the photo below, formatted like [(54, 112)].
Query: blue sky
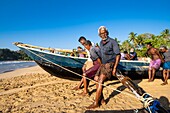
[(59, 23)]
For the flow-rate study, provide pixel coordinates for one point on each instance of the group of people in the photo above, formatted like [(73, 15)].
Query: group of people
[(103, 61), (129, 56), (158, 57)]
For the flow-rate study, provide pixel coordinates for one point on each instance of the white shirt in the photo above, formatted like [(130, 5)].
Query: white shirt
[(88, 53)]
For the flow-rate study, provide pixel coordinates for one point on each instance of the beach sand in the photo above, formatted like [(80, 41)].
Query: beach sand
[(34, 90)]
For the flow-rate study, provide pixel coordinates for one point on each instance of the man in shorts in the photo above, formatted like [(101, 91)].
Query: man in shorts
[(155, 62), (166, 64), (110, 55), (90, 73)]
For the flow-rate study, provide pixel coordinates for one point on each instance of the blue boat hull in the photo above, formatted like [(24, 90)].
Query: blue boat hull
[(54, 64)]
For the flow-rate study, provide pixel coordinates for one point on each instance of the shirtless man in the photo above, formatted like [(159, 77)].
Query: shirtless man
[(155, 62)]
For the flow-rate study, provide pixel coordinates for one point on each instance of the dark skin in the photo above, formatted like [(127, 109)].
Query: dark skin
[(102, 78), (154, 53), (131, 57), (103, 35), (165, 71), (127, 56), (83, 69), (85, 92)]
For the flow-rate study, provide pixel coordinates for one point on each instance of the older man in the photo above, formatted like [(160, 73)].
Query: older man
[(110, 55)]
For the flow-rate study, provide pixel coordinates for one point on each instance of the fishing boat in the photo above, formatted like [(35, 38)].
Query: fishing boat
[(61, 63)]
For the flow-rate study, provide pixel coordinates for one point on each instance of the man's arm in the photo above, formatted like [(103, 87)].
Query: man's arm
[(159, 55), (132, 56), (127, 56), (99, 60), (84, 67), (116, 64)]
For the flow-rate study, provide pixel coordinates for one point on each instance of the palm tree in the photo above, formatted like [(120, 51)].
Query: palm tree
[(165, 33), (140, 41), (126, 45), (116, 39), (132, 38)]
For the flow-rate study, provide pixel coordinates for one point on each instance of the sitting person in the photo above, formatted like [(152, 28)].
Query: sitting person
[(133, 54), (155, 62), (126, 55), (122, 56), (80, 50), (90, 73)]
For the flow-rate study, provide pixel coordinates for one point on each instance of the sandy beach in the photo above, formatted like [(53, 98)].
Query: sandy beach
[(34, 90)]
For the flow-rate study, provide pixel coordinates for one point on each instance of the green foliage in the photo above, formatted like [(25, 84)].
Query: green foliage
[(126, 45), (138, 41), (7, 54)]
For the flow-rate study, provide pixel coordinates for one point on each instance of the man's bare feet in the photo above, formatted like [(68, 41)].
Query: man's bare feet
[(84, 94), (150, 80), (103, 102), (93, 106), (165, 83), (76, 88)]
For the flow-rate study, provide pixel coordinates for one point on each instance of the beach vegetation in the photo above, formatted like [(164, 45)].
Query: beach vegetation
[(9, 55), (139, 41), (134, 40)]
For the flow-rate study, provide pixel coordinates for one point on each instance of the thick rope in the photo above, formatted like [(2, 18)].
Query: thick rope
[(146, 101), (81, 75)]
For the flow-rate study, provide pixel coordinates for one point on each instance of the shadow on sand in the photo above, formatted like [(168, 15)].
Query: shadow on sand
[(117, 111), (163, 100), (120, 88)]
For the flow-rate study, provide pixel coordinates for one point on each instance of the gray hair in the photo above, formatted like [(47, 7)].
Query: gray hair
[(104, 28)]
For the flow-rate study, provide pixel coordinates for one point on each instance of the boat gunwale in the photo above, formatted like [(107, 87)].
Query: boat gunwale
[(74, 57)]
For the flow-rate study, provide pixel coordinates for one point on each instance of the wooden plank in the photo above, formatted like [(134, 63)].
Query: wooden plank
[(49, 49)]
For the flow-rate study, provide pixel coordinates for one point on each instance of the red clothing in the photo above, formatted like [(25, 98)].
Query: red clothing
[(92, 71)]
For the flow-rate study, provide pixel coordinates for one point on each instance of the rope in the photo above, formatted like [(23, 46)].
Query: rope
[(81, 75), (146, 101)]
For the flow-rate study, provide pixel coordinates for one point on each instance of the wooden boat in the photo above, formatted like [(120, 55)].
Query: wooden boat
[(58, 61)]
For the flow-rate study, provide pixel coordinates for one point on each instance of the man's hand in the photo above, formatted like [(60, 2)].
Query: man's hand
[(114, 72), (162, 61), (84, 68), (84, 74)]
